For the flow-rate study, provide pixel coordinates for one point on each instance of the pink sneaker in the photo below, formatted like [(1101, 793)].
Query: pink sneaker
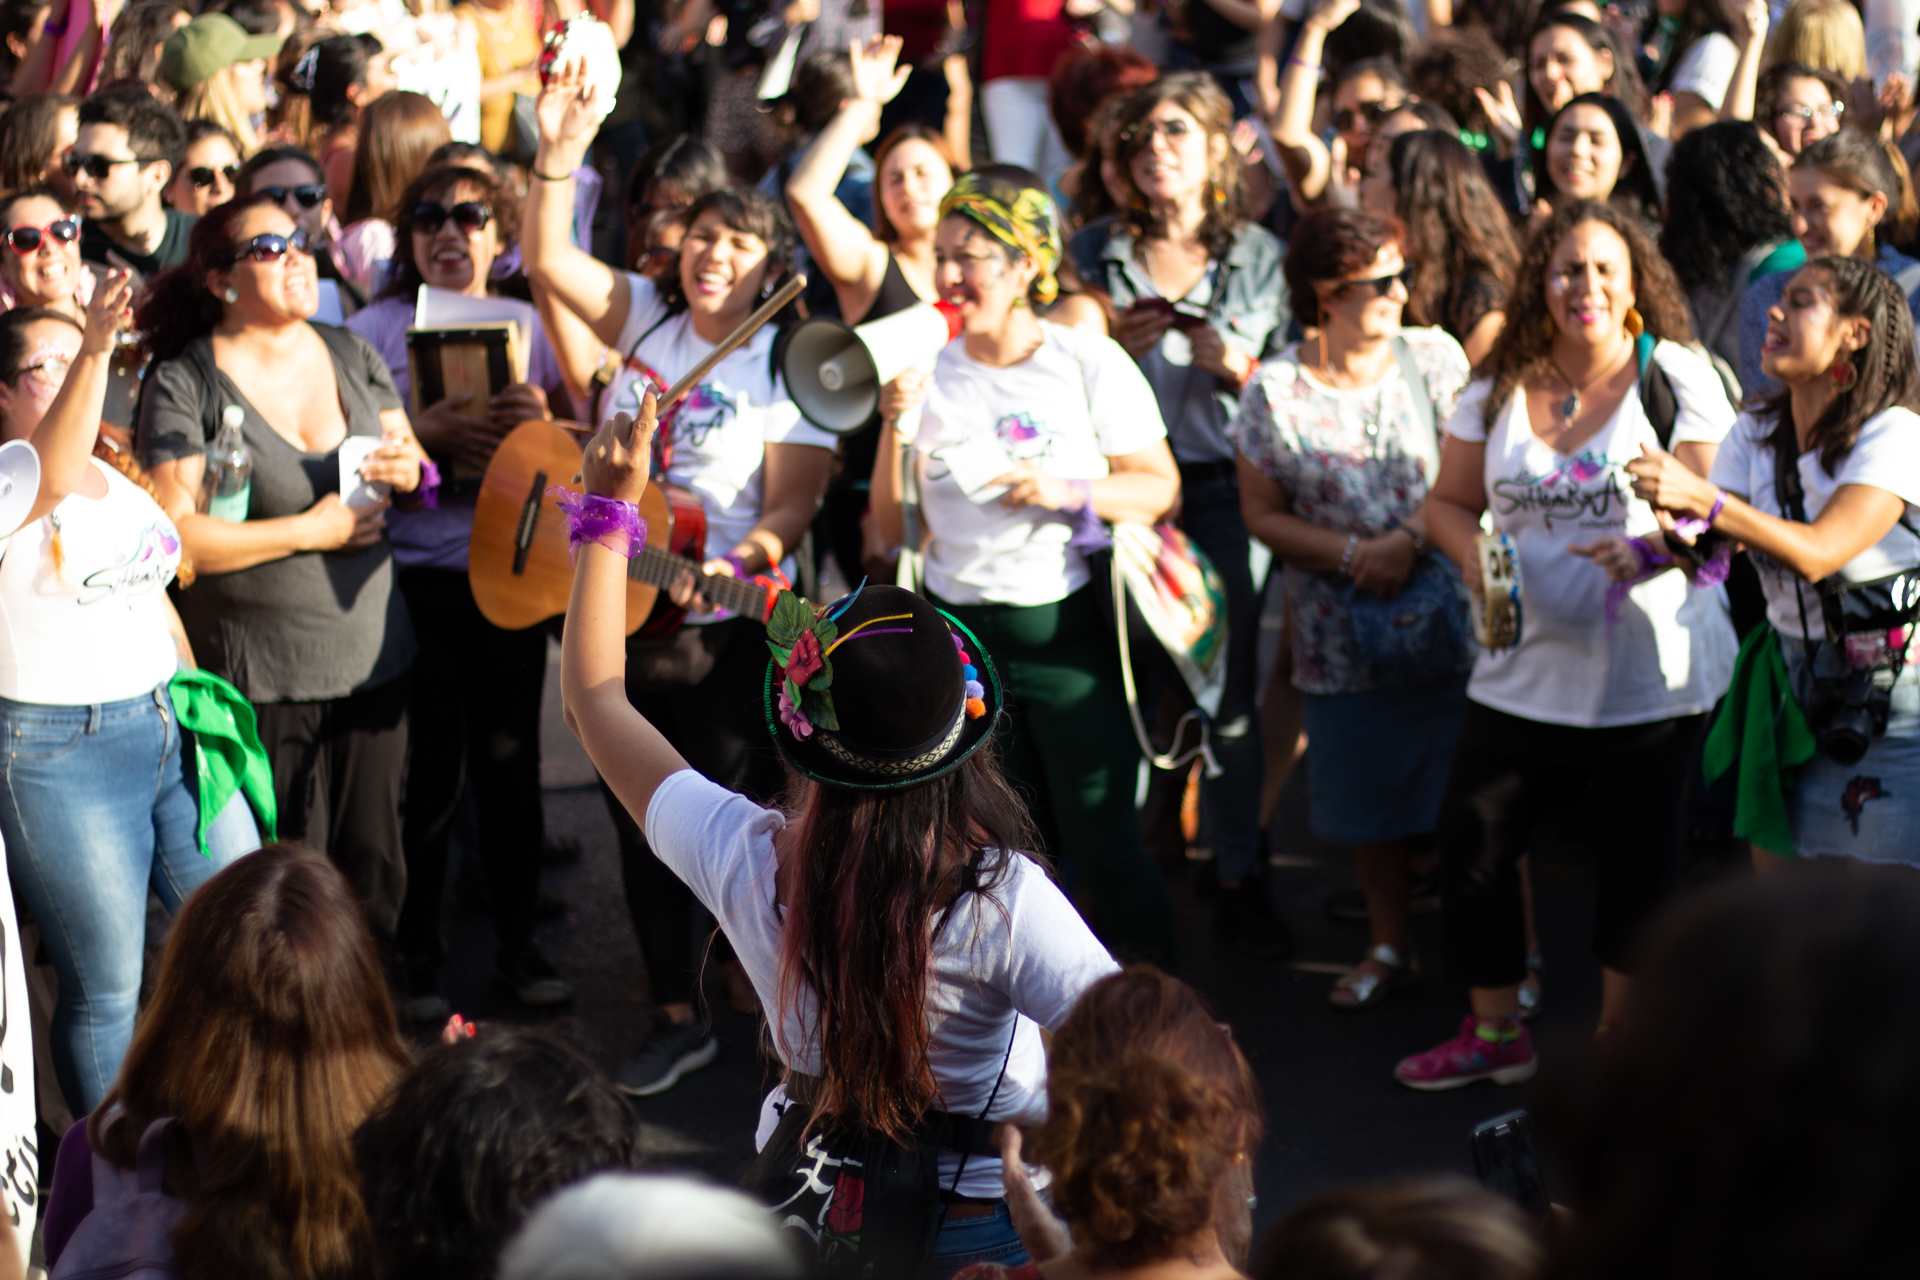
[(1468, 1057)]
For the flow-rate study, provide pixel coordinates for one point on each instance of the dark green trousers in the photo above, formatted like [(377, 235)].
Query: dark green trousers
[(1069, 749)]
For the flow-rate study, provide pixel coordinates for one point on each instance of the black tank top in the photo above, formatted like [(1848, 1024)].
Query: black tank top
[(893, 295), (858, 448)]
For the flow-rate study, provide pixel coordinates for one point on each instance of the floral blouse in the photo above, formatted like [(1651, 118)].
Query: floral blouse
[(1354, 461)]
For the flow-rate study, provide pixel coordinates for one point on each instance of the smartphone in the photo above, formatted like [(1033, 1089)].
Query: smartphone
[(1507, 1161)]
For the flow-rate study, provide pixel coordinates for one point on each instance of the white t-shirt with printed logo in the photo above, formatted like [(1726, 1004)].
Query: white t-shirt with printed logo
[(1079, 400), (720, 432), (1670, 650), (93, 629)]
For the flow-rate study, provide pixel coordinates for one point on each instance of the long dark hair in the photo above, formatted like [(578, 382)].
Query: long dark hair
[(339, 64), (867, 881), (178, 306), (1885, 373), (1634, 190), (1522, 349), (757, 214), (1867, 166), (1454, 226), (269, 1037), (1699, 18), (1725, 195), (1625, 83), (29, 138), (493, 193)]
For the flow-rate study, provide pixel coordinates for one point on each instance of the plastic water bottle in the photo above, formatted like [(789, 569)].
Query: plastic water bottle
[(227, 486)]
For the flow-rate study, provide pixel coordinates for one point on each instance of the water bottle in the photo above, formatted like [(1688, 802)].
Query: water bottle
[(227, 485)]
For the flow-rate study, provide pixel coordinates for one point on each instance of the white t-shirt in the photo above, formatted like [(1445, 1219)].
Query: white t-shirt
[(1079, 400), (1886, 456), (1670, 651), (96, 629), (1706, 68), (720, 432), (1000, 969)]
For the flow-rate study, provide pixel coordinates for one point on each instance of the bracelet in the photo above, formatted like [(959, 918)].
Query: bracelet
[(1650, 564), (738, 566), (1346, 557), (428, 490), (1089, 531), (1301, 62), (1693, 526), (547, 177), (593, 518)]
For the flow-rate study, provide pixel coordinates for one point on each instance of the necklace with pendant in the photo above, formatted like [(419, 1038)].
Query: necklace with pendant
[(1570, 407)]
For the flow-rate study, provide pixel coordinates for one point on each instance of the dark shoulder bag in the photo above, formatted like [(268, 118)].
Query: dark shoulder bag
[(1851, 608)]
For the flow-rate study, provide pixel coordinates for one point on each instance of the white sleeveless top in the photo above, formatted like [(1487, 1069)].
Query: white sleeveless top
[(95, 630)]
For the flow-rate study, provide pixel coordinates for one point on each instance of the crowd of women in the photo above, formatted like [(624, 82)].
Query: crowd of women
[(1572, 407)]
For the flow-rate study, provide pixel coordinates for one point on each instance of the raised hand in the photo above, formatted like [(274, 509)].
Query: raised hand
[(620, 455), (107, 314), (1503, 113), (1329, 14), (875, 77), (569, 115)]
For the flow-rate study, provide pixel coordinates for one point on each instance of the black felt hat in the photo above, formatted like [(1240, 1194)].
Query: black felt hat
[(888, 701)]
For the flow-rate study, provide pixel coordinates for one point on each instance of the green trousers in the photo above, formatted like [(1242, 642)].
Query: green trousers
[(1069, 749)]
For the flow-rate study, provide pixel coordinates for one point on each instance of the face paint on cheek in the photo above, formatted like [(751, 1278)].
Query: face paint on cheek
[(49, 364)]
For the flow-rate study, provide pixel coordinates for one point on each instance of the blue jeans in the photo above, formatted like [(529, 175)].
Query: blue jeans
[(95, 806), (965, 1241)]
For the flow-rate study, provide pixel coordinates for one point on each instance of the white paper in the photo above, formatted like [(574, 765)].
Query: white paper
[(355, 491), (975, 463), (445, 309)]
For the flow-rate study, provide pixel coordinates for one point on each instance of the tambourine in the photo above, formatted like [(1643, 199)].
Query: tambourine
[(1496, 611), (590, 40)]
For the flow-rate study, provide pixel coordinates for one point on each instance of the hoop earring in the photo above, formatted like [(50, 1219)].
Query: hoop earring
[(232, 294), (1844, 375), (1636, 325)]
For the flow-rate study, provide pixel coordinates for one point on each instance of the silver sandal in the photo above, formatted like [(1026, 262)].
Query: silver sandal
[(1364, 990)]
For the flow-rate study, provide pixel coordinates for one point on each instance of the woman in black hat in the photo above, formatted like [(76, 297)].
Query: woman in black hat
[(894, 820)]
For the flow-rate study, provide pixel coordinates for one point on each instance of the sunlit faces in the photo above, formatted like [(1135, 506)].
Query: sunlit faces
[(722, 269), (51, 348), (1377, 195), (289, 176), (205, 176), (972, 271), (1584, 155), (912, 181), (1173, 155), (1359, 104), (1561, 66), (1589, 280), (126, 183), (1831, 219), (453, 256), (1805, 334), (1368, 302), (250, 85), (49, 275), (285, 287), (1803, 112)]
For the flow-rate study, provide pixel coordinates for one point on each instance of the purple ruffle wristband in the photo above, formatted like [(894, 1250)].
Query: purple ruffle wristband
[(1089, 532), (592, 518), (428, 490), (1692, 527), (1651, 563)]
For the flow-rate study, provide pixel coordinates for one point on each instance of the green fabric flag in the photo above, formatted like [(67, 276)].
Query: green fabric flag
[(1760, 727), (226, 748)]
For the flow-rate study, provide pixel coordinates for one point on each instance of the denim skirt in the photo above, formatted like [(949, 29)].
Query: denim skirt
[(1377, 760), (1869, 810)]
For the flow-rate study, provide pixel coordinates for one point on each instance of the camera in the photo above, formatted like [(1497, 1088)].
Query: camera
[(1847, 712)]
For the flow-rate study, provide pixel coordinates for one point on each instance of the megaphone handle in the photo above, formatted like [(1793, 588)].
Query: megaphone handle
[(906, 428)]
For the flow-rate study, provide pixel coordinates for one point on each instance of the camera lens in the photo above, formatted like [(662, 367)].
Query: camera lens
[(1848, 734)]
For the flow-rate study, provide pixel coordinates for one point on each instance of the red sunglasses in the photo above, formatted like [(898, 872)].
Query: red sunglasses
[(25, 240)]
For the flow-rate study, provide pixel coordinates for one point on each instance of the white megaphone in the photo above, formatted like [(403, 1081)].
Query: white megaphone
[(834, 371)]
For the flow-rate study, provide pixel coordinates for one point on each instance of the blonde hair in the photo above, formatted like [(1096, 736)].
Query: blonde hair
[(216, 99), (1823, 34)]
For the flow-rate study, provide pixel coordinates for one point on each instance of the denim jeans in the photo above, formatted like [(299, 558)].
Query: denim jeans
[(1230, 803), (965, 1241), (96, 806)]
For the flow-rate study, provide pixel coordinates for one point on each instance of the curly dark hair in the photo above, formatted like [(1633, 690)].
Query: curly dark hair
[(1154, 1116), (1754, 1116), (1086, 77), (475, 1136), (1199, 95), (1330, 243), (1625, 83), (1521, 351), (1725, 195), (1455, 228), (757, 214), (443, 179), (1634, 189), (1766, 95), (1380, 35), (1886, 375), (1451, 65), (1699, 18)]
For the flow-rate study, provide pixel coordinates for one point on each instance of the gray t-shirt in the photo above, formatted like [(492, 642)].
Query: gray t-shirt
[(308, 626)]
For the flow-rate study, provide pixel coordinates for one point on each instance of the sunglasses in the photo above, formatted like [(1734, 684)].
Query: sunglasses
[(1381, 285), (96, 167), (202, 176), (469, 215), (307, 196), (271, 246), (1371, 112), (27, 239)]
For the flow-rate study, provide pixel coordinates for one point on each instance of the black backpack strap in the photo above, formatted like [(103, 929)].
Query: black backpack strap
[(1662, 407)]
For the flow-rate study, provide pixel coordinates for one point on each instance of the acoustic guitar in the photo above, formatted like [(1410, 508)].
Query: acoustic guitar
[(519, 564)]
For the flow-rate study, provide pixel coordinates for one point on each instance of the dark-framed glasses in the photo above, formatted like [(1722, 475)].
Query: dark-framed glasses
[(1369, 112), (469, 215), (26, 240), (202, 176), (306, 196), (1381, 285), (96, 167), (271, 246)]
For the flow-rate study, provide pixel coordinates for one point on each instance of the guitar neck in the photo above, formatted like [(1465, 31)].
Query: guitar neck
[(660, 568)]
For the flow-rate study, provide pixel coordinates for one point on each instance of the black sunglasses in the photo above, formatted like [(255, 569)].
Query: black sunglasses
[(1371, 112), (271, 246), (308, 196), (202, 176), (27, 239), (1381, 284), (469, 215), (97, 167)]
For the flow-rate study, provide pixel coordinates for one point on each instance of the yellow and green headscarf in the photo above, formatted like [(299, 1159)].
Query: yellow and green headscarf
[(1019, 217)]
